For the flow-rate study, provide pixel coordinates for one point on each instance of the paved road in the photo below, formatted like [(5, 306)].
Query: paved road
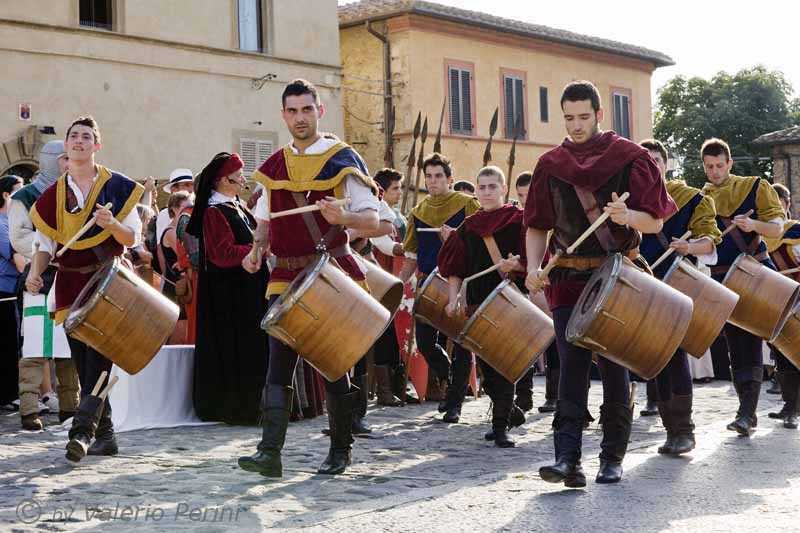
[(423, 475)]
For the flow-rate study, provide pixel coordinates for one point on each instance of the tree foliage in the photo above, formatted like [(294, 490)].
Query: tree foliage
[(736, 108)]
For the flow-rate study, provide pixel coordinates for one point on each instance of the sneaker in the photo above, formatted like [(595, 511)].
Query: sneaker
[(52, 403)]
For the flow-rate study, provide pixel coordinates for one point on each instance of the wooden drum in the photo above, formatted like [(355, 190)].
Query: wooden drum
[(384, 287), (766, 298), (788, 340), (630, 317), (121, 316), (432, 298), (326, 318), (713, 304), (508, 331)]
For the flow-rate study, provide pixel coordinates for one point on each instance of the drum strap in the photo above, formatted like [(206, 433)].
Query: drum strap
[(663, 240), (316, 232), (738, 239), (494, 251), (593, 212), (780, 262)]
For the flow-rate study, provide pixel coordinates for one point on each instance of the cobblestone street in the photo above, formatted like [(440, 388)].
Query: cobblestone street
[(422, 475)]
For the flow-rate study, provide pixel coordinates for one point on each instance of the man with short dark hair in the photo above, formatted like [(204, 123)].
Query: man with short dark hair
[(443, 210), (733, 197), (588, 170), (522, 185), (464, 186)]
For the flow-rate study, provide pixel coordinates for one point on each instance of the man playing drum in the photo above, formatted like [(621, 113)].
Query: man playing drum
[(495, 230), (733, 196), (588, 170), (696, 213), (444, 210), (58, 214), (312, 169)]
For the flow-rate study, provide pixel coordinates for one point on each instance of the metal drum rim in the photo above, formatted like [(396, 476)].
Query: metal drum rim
[(421, 289), (77, 316), (307, 275), (673, 267), (572, 328), (481, 308), (732, 268)]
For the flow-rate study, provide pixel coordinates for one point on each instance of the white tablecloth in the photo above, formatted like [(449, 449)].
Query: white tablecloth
[(159, 396)]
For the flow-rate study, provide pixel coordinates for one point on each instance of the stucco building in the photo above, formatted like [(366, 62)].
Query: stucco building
[(171, 83), (429, 52), (785, 147)]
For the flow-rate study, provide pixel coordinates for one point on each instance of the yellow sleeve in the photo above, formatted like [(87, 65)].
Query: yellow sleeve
[(472, 206), (704, 222), (410, 240), (768, 205)]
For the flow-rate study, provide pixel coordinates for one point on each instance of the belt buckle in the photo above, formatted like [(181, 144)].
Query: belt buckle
[(293, 263)]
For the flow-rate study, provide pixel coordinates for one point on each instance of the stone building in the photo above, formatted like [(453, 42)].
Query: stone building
[(430, 55), (785, 146), (171, 83)]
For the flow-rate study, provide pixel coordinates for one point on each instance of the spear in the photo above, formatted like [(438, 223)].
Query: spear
[(512, 155), (410, 162), (437, 144), (388, 155), (421, 158), (487, 154)]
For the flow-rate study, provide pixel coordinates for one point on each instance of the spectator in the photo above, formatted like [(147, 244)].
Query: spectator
[(9, 317)]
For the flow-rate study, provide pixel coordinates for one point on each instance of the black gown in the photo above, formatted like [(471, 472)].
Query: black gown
[(231, 351)]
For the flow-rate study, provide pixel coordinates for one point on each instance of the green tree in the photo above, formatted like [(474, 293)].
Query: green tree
[(736, 108)]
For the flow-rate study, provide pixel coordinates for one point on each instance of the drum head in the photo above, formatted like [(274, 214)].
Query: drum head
[(593, 297), (90, 294), (294, 291), (676, 264)]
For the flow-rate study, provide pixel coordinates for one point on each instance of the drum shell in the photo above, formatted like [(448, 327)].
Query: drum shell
[(432, 298), (383, 286), (788, 340), (630, 317), (122, 317), (713, 305), (766, 298), (508, 331), (326, 318)]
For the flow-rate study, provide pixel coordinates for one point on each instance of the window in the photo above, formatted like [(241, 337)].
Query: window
[(544, 113), (622, 112), (250, 26), (513, 104), (254, 152), (96, 14), (460, 90)]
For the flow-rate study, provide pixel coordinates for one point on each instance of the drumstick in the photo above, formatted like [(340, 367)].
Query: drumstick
[(108, 387), (305, 209), (733, 226), (669, 251), (602, 218), (80, 233), (99, 383), (788, 271), (432, 230), (8, 299)]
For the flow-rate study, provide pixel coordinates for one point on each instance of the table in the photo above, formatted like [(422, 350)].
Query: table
[(159, 396)]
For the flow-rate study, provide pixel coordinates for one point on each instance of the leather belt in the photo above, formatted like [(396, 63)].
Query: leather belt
[(301, 261), (576, 262), (81, 270)]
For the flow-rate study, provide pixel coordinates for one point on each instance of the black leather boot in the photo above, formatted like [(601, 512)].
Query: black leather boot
[(360, 426), (276, 407), (105, 443), (666, 418), (340, 418), (551, 390), (84, 425), (747, 383), (502, 407), (682, 426), (384, 393), (617, 420), (786, 409), (651, 409), (568, 424), (457, 389), (791, 392), (524, 391)]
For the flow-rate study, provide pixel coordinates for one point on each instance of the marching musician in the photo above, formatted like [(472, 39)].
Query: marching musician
[(571, 184), (496, 229), (441, 211), (696, 213), (785, 252), (58, 214), (734, 196), (315, 170)]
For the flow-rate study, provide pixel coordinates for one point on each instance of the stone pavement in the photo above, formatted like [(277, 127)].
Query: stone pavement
[(423, 475)]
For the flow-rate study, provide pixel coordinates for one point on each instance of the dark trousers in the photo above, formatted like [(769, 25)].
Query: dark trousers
[(89, 363), (431, 342), (782, 364), (386, 352), (675, 379), (720, 358), (551, 361), (9, 350), (576, 363), (747, 360), (282, 362)]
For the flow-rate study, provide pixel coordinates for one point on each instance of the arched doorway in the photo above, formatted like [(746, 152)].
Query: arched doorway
[(25, 170)]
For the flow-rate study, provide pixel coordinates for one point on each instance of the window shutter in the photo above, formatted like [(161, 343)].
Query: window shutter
[(455, 102), (248, 149), (508, 112), (626, 119), (264, 151), (466, 102), (519, 108), (544, 112)]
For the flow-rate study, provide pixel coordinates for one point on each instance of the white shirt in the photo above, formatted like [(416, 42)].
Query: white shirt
[(132, 222), (162, 223), (360, 196)]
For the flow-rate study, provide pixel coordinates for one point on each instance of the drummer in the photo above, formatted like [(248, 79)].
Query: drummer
[(785, 252), (598, 167), (696, 213), (733, 197), (312, 169), (57, 215), (442, 210), (465, 253)]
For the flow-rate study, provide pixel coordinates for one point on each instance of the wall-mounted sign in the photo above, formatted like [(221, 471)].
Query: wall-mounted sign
[(24, 111)]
